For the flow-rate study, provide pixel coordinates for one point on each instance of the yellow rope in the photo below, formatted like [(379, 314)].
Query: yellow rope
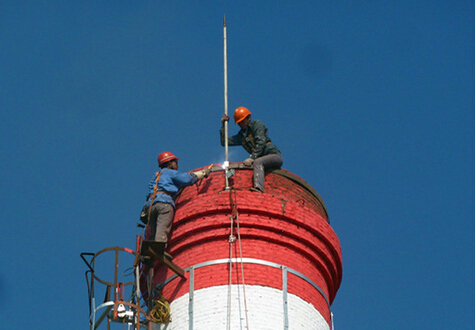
[(161, 311)]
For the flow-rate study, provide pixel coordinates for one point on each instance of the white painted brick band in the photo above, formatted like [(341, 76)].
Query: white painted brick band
[(265, 310)]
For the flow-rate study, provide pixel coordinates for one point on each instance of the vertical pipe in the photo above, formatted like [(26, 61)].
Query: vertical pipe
[(225, 70), (285, 297), (191, 289)]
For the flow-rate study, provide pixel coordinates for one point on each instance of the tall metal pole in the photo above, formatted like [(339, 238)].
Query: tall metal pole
[(225, 69)]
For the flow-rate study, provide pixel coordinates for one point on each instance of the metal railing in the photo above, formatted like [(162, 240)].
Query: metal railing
[(114, 306)]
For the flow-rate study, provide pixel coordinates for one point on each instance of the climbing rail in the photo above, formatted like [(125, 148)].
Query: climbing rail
[(114, 306), (123, 301)]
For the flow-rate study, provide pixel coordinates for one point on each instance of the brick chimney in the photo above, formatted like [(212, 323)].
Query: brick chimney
[(252, 260)]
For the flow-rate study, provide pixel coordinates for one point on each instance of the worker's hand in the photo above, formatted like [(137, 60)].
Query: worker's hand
[(199, 174), (202, 173), (248, 162), (224, 118)]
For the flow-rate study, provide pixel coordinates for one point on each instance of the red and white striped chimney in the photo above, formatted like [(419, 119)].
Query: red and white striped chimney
[(253, 260)]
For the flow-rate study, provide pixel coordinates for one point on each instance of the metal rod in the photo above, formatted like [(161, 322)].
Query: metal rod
[(225, 70), (191, 289), (231, 240)]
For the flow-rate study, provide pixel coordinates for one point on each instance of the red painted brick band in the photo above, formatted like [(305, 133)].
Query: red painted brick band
[(285, 225)]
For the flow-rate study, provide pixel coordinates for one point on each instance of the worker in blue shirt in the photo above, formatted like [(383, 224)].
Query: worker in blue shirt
[(253, 136), (160, 206)]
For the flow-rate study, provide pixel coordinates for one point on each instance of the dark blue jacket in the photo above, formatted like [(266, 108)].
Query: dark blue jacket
[(254, 138)]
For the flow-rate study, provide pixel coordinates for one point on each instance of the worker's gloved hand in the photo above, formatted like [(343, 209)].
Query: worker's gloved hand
[(224, 118), (202, 173), (199, 174), (248, 162), (207, 172)]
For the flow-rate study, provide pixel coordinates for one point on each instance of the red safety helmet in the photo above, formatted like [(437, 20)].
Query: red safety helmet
[(240, 114), (165, 157)]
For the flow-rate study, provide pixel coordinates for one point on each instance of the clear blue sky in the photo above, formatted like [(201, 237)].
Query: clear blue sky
[(371, 102)]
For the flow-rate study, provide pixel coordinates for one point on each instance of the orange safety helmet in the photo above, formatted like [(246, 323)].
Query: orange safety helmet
[(165, 157), (240, 114)]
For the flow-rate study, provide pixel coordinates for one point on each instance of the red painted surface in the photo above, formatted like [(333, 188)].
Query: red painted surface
[(286, 225)]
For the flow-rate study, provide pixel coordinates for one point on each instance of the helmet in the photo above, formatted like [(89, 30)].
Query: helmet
[(240, 114), (165, 157)]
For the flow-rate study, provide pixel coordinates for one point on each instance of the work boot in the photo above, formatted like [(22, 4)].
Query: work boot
[(148, 261)]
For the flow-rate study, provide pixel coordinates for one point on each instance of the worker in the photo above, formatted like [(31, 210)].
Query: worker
[(163, 188), (253, 136)]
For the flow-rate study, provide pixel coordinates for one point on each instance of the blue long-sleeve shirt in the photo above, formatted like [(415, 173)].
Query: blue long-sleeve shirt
[(170, 182)]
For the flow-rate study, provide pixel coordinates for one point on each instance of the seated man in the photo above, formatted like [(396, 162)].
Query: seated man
[(253, 136)]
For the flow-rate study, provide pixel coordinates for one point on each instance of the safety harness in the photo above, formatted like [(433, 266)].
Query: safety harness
[(154, 193), (250, 139)]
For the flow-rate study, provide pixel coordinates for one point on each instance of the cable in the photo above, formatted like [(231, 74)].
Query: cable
[(161, 311), (242, 272), (232, 239)]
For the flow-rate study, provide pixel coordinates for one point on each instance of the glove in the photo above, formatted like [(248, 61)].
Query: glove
[(248, 162), (202, 173), (224, 118)]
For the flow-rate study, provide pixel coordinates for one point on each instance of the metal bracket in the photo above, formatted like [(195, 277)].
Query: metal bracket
[(230, 173)]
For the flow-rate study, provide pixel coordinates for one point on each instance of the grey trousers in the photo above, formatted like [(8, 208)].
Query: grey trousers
[(161, 218), (260, 164)]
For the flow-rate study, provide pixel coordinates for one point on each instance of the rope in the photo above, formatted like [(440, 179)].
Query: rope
[(152, 198), (232, 239), (161, 311), (242, 272)]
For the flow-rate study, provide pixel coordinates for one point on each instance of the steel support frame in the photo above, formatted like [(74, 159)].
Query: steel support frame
[(285, 271), (110, 304)]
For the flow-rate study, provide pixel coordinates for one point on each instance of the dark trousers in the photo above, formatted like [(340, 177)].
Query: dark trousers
[(260, 164), (161, 218)]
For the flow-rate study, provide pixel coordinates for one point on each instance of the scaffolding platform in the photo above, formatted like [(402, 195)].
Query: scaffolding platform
[(156, 250)]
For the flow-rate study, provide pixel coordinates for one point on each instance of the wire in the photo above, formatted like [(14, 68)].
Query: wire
[(232, 239), (242, 272)]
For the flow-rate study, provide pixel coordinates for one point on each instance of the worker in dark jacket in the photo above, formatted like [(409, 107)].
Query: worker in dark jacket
[(253, 136), (163, 189)]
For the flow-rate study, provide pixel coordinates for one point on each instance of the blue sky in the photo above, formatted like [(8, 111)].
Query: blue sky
[(371, 102)]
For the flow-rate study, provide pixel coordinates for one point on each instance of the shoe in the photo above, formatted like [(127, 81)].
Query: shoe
[(256, 189), (148, 261)]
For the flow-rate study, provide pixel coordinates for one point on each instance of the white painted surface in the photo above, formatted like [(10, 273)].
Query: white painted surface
[(264, 307)]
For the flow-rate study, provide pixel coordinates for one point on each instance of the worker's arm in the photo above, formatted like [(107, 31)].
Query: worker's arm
[(184, 179), (232, 141), (224, 119)]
